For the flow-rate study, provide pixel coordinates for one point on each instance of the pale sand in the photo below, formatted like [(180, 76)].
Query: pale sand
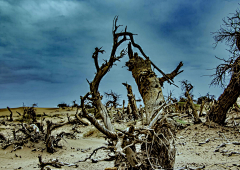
[(187, 142)]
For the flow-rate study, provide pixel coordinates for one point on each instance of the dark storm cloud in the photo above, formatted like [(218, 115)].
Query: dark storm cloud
[(36, 46), (185, 25), (50, 42)]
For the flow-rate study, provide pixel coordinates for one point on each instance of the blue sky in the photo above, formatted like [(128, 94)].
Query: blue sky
[(46, 46)]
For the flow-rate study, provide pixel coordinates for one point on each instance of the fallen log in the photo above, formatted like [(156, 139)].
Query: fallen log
[(54, 162)]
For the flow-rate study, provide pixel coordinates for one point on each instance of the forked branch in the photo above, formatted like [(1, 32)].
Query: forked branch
[(172, 74), (95, 56)]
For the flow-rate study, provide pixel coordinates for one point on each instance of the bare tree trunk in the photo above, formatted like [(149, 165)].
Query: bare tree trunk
[(141, 113), (123, 111), (11, 114), (132, 101), (188, 87), (228, 98), (48, 139), (202, 107), (194, 110), (129, 110), (149, 85)]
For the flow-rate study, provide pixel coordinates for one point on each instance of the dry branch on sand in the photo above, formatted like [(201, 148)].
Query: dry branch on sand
[(53, 162), (35, 132)]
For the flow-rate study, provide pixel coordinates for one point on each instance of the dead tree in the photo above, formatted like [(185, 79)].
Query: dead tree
[(188, 87), (115, 97), (75, 105), (129, 110), (49, 139), (230, 33), (149, 85), (123, 111), (11, 114), (157, 138), (201, 108), (132, 101), (30, 113), (228, 97), (101, 72)]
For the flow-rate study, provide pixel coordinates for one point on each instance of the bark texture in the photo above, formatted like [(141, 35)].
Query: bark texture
[(123, 111), (132, 101), (228, 97), (147, 82), (160, 145), (149, 85)]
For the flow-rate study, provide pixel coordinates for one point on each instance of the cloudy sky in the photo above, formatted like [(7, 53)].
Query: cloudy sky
[(46, 46)]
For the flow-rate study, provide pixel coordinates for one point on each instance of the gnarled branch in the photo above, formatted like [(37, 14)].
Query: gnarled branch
[(172, 74), (93, 120)]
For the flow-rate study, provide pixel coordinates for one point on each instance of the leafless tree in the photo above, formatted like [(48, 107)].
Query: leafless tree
[(230, 33), (187, 86), (156, 140), (114, 97)]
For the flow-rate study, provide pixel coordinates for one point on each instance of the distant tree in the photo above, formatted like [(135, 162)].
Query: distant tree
[(113, 99), (187, 86), (74, 104), (62, 105), (230, 33), (207, 98)]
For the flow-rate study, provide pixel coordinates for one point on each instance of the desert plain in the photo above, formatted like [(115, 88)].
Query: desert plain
[(200, 146)]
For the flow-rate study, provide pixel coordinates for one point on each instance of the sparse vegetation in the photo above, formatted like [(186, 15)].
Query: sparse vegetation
[(139, 141), (63, 105)]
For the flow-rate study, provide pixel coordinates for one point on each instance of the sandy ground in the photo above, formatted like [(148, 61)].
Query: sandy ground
[(198, 146)]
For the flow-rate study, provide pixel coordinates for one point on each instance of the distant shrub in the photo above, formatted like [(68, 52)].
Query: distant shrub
[(29, 113), (62, 105)]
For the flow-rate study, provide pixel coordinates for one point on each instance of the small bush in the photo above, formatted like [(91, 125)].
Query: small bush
[(62, 105)]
